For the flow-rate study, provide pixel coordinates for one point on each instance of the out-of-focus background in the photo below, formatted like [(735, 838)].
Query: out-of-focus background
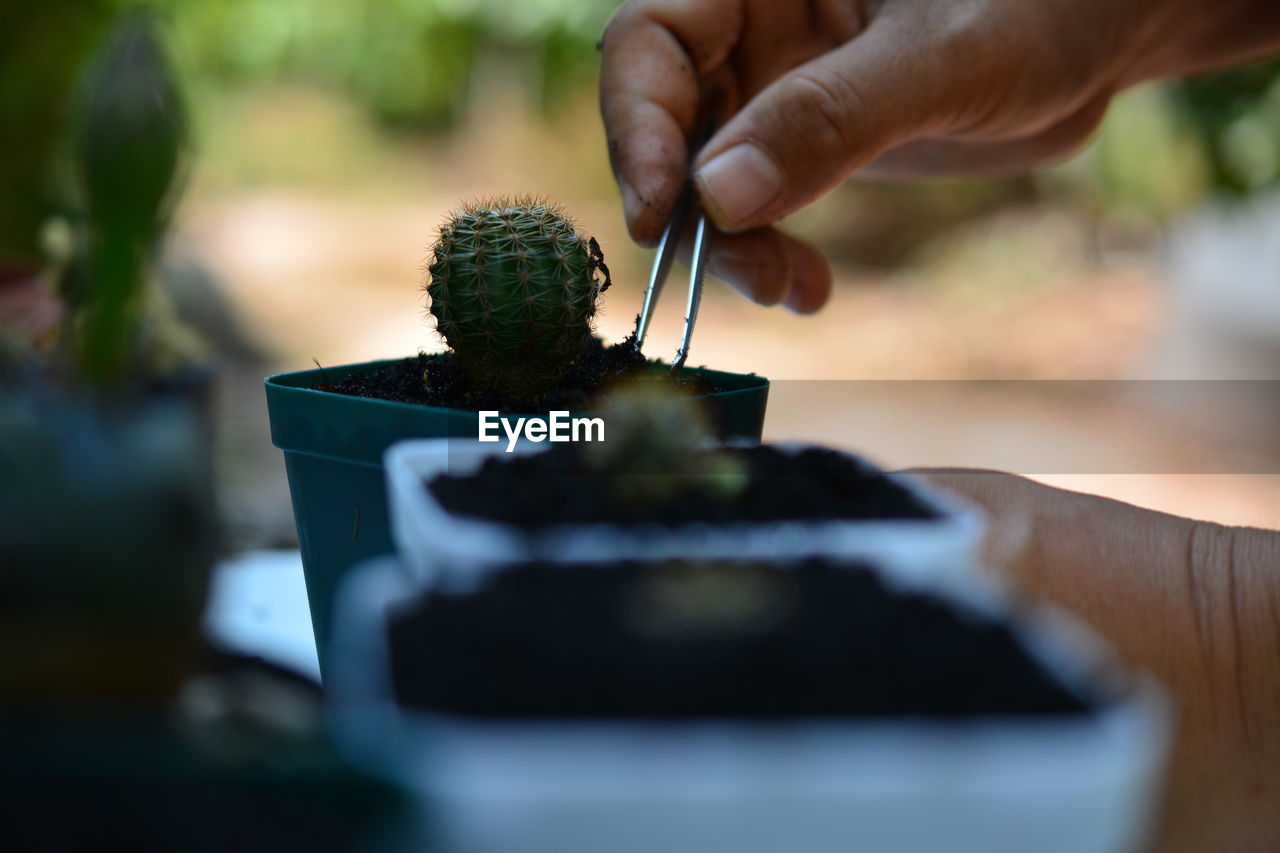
[(332, 137)]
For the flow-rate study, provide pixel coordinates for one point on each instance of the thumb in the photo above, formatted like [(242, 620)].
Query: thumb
[(811, 128)]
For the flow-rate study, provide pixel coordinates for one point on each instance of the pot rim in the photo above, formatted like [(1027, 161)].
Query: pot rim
[(440, 546)]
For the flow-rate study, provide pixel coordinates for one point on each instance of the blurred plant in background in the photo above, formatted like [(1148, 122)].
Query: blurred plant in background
[(108, 524), (354, 98), (129, 154), (97, 121), (1163, 149), (413, 65), (1236, 117), (42, 51), (408, 61), (108, 532)]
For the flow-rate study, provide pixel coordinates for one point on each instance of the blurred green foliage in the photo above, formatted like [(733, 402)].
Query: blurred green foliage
[(410, 61), (1164, 148), (43, 47), (1146, 159), (1236, 117), (129, 154), (413, 64), (416, 64), (94, 122)]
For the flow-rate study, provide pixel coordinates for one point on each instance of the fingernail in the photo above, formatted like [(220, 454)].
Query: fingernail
[(631, 206), (737, 184)]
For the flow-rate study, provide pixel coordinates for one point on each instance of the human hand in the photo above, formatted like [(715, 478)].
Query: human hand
[(1194, 603), (819, 90)]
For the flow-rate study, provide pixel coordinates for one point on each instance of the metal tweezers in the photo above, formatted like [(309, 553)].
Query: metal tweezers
[(686, 206)]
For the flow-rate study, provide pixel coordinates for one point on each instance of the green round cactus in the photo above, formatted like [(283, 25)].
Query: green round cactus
[(513, 289)]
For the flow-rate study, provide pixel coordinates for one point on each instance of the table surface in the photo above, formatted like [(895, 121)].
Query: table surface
[(258, 606)]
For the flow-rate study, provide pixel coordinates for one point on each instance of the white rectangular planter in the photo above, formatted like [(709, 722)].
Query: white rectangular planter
[(1070, 784), (446, 548)]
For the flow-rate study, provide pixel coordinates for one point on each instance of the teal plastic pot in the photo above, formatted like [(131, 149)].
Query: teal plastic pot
[(333, 446)]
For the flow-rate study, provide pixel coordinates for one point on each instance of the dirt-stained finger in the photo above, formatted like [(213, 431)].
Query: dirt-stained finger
[(654, 55)]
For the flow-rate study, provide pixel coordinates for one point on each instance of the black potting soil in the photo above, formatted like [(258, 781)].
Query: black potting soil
[(554, 488), (722, 641), (448, 387)]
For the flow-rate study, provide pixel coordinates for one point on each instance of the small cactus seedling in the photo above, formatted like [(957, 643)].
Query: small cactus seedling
[(657, 446), (513, 289), (130, 146)]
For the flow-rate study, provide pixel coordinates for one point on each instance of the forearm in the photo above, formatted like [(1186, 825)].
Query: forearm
[(1225, 789), (1122, 569), (1243, 570), (1186, 37), (1198, 605), (1229, 672), (1194, 603)]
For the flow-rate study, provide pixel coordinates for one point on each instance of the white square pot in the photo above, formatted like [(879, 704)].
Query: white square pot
[(1069, 784), (445, 548)]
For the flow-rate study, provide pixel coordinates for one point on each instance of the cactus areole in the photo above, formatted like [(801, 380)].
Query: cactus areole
[(513, 289)]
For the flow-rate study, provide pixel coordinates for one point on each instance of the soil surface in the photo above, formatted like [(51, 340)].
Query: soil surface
[(682, 641), (448, 387), (554, 488)]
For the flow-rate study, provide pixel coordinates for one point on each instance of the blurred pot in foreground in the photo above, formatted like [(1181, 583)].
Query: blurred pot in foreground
[(108, 531)]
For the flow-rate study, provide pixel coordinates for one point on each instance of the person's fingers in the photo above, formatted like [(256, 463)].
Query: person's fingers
[(941, 157), (769, 267), (654, 52), (815, 125), (755, 263), (810, 277)]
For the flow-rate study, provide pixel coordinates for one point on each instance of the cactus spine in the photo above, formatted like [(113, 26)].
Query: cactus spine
[(513, 289)]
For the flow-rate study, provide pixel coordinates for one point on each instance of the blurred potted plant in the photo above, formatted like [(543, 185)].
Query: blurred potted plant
[(514, 288), (85, 410), (756, 706), (114, 709), (108, 528), (131, 152), (107, 535), (91, 424), (94, 195), (664, 642), (115, 713), (658, 487)]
